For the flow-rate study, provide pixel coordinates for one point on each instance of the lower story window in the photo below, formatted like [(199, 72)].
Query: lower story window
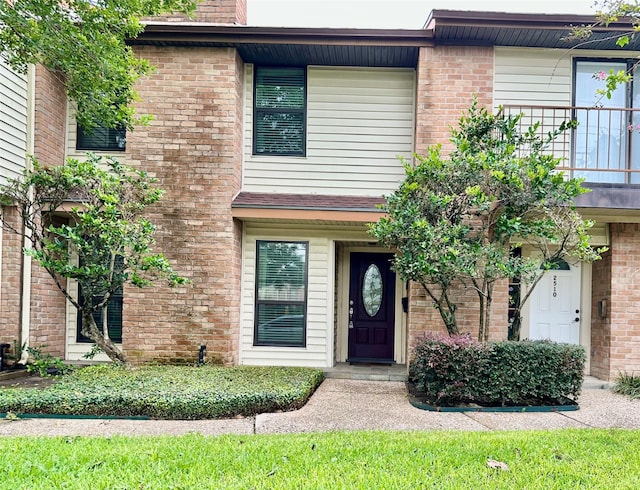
[(114, 317), (281, 293)]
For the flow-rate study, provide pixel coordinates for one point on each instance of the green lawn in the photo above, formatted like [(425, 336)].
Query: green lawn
[(564, 459), (171, 392)]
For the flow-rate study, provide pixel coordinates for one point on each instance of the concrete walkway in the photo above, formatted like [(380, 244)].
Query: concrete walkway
[(346, 404)]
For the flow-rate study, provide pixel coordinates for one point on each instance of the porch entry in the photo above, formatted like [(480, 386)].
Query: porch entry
[(555, 305), (371, 308)]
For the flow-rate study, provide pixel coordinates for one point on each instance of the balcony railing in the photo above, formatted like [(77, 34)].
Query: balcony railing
[(605, 146)]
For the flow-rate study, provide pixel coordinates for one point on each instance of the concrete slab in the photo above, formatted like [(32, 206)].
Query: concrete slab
[(603, 408), (525, 420), (361, 405), (98, 427)]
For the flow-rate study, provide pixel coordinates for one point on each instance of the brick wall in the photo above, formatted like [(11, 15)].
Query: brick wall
[(194, 148), (48, 305), (215, 11), (601, 327), (11, 274), (624, 352), (50, 118), (448, 77)]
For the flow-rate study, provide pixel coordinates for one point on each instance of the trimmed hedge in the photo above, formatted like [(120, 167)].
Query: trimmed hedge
[(455, 370), (168, 392)]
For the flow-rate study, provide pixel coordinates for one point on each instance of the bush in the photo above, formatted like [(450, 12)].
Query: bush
[(458, 370), (168, 392)]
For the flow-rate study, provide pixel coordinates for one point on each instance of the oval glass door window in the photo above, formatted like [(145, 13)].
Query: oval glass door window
[(372, 290)]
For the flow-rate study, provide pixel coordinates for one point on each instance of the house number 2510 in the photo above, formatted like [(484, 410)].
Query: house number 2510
[(555, 286)]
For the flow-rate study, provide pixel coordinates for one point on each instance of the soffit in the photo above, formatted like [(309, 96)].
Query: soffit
[(527, 30), (295, 46)]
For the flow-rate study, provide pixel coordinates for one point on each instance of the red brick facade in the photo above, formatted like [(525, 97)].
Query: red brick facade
[(48, 305), (601, 324), (10, 279), (215, 11), (447, 79), (616, 338), (194, 148)]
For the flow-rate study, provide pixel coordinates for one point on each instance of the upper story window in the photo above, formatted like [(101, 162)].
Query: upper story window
[(101, 139), (279, 117), (607, 139)]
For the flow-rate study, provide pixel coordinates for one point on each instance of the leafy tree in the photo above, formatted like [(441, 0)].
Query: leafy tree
[(84, 41), (105, 231), (607, 12), (454, 219)]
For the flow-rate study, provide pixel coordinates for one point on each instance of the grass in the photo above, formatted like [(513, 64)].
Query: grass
[(171, 392), (628, 384), (359, 460)]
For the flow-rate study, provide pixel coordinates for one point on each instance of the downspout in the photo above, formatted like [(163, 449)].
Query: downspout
[(25, 297)]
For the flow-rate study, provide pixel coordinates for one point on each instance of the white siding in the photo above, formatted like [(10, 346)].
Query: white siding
[(358, 121), (13, 122), (535, 76), (319, 349), (532, 77)]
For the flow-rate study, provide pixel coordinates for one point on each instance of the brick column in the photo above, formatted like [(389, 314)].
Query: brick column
[(48, 305), (194, 148), (11, 273), (448, 78)]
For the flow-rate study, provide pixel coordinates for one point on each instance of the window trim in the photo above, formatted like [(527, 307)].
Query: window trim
[(86, 147), (303, 111), (303, 303)]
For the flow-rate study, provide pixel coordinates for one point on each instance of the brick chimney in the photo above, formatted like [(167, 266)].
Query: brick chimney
[(215, 12)]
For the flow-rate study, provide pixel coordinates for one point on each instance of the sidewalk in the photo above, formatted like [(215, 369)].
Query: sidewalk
[(344, 404)]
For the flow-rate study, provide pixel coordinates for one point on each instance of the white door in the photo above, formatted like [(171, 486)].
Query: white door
[(555, 305)]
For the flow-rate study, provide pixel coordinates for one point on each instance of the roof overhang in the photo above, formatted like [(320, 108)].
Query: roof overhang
[(306, 207), (525, 30), (295, 46)]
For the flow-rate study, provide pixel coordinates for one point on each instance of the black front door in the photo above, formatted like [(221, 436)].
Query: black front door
[(371, 308)]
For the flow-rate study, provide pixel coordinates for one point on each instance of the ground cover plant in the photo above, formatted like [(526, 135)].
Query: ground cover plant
[(170, 392), (628, 384), (359, 460)]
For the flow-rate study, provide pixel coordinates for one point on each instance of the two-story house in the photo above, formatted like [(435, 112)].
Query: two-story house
[(275, 146)]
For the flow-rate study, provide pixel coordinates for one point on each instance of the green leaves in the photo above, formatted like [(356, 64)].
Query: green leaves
[(84, 42), (87, 224), (170, 392), (454, 219)]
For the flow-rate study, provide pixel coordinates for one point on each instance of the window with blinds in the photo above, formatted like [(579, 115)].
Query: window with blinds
[(101, 139), (281, 293), (113, 311), (279, 111)]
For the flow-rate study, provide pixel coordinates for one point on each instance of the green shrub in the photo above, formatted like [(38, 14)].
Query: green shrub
[(168, 392), (627, 384), (456, 370)]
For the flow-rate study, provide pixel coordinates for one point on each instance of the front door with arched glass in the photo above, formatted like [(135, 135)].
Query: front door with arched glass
[(371, 308), (555, 305)]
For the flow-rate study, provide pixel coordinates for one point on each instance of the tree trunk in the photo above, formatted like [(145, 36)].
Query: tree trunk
[(481, 316), (445, 307), (91, 330)]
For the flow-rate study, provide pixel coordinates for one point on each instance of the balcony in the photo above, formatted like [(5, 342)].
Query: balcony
[(603, 149)]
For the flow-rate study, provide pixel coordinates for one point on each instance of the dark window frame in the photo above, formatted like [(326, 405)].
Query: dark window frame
[(267, 110), (116, 299), (258, 301), (83, 139)]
